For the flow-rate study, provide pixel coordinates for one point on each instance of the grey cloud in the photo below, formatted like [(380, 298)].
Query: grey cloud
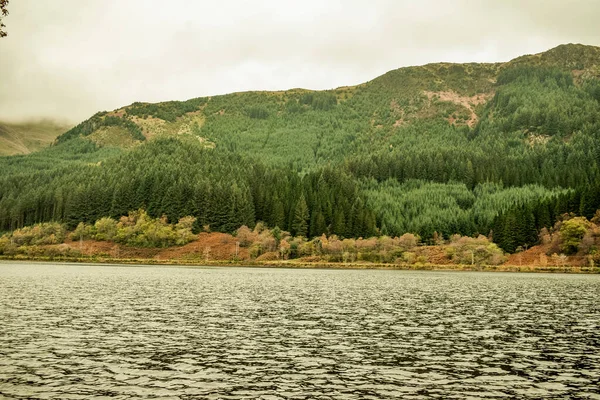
[(71, 58)]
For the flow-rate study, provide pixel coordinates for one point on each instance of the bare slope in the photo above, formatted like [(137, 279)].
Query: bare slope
[(27, 137)]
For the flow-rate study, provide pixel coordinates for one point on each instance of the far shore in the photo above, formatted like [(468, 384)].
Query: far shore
[(311, 265)]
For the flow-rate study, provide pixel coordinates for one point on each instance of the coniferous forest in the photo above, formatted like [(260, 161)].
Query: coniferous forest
[(500, 149)]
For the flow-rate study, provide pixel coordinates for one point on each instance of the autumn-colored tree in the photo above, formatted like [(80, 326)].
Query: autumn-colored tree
[(572, 233), (106, 229), (246, 236), (408, 241)]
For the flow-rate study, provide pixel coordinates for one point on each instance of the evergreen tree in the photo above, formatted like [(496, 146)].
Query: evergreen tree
[(300, 222)]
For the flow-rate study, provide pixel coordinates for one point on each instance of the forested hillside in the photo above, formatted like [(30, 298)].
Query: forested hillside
[(434, 150)]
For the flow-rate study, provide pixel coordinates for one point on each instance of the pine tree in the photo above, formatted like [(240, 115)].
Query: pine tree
[(278, 214), (338, 226), (317, 223), (300, 222)]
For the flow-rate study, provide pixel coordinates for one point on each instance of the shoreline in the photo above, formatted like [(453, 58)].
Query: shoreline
[(293, 264)]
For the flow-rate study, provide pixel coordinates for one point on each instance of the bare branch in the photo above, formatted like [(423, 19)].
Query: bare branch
[(3, 13)]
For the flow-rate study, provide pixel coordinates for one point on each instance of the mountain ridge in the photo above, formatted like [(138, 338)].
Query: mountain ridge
[(582, 60), (410, 89), (28, 136), (435, 150)]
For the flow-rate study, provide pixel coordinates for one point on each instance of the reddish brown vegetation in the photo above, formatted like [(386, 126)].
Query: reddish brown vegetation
[(208, 246)]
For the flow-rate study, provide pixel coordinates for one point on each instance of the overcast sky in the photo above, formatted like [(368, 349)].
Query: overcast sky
[(70, 58)]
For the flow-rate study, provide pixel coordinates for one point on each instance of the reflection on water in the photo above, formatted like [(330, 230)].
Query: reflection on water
[(75, 331)]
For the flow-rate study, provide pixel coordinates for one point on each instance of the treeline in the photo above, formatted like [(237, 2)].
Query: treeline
[(135, 229), (429, 208), (543, 100), (519, 227), (274, 244), (168, 110), (223, 190), (443, 153), (98, 121), (49, 240), (179, 178)]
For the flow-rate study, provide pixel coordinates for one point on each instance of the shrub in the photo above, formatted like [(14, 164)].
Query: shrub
[(408, 241), (139, 229), (284, 249), (269, 256), (106, 229), (572, 233), (183, 230), (83, 231), (6, 247), (409, 257), (39, 234), (246, 236), (478, 251)]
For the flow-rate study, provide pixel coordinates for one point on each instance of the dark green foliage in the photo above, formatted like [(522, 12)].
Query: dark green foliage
[(258, 112), (169, 110), (300, 222), (592, 86), (323, 101), (426, 207), (526, 73), (543, 101), (177, 178), (98, 121), (519, 226), (393, 155)]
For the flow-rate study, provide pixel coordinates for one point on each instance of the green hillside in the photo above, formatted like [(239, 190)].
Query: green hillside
[(436, 149), (27, 137)]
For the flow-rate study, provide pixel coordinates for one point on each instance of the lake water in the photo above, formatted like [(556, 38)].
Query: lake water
[(83, 332)]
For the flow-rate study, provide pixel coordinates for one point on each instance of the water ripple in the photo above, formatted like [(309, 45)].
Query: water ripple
[(81, 332)]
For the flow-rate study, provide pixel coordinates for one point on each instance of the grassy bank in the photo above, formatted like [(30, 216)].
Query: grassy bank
[(312, 265)]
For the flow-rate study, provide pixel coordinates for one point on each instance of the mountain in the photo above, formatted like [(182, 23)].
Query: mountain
[(30, 136), (456, 93), (434, 150)]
